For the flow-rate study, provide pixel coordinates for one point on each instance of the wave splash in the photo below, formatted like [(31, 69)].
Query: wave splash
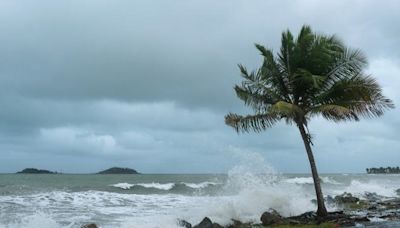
[(249, 189)]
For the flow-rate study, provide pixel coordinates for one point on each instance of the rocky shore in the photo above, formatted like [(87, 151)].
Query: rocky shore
[(371, 210), (271, 218)]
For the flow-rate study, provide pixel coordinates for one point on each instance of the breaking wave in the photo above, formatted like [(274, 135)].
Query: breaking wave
[(166, 186), (360, 188), (249, 189), (309, 180)]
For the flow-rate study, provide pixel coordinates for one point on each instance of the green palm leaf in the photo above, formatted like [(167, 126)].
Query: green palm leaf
[(257, 122)]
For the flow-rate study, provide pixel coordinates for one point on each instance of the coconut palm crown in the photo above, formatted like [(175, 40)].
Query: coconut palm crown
[(311, 75)]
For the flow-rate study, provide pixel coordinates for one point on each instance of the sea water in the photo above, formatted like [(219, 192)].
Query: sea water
[(158, 200)]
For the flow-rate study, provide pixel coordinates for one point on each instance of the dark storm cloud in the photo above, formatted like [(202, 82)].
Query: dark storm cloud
[(181, 51), (147, 83)]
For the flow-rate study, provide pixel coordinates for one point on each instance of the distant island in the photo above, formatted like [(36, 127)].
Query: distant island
[(117, 170), (382, 170), (36, 171)]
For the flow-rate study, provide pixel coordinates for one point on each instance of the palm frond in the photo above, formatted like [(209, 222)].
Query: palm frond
[(257, 122), (271, 74), (289, 111), (286, 53), (254, 98), (360, 94), (348, 62), (334, 112)]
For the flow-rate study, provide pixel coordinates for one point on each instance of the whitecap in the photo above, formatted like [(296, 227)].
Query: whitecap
[(309, 180), (200, 185), (123, 185), (166, 186)]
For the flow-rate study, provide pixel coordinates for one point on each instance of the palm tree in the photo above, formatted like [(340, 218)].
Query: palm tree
[(311, 75)]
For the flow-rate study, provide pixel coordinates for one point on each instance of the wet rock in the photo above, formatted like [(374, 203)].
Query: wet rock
[(239, 224), (330, 200), (271, 217), (391, 204), (305, 218), (184, 223), (361, 219), (90, 225), (337, 217), (205, 223), (392, 215), (216, 225), (372, 197), (346, 198)]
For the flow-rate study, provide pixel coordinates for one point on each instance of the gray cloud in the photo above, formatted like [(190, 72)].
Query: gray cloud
[(86, 85)]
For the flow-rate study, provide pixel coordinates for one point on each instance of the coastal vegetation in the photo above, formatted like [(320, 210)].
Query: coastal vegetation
[(35, 171), (118, 170), (113, 170), (383, 170), (312, 75)]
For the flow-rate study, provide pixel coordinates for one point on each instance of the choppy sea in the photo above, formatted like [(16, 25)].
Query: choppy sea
[(158, 200)]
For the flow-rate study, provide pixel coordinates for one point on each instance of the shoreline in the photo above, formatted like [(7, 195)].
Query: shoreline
[(158, 200)]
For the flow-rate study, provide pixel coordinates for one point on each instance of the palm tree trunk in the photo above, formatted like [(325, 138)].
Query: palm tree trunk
[(321, 211)]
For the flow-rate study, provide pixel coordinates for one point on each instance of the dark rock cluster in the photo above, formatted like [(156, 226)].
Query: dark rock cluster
[(273, 218)]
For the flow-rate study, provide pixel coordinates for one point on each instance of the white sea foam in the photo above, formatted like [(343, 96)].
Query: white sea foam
[(359, 188), (309, 180), (252, 187), (200, 185), (77, 208), (33, 221), (300, 180), (123, 185), (165, 186)]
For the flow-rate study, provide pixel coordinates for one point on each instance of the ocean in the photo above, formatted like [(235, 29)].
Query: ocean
[(158, 200)]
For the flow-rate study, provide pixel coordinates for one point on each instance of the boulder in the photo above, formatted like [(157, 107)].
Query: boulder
[(271, 217), (90, 225), (184, 223), (346, 198), (205, 223)]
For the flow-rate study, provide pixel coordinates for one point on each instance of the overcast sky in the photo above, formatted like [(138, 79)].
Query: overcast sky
[(86, 85)]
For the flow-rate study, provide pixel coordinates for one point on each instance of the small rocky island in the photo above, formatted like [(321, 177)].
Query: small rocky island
[(382, 170), (35, 171), (118, 170)]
